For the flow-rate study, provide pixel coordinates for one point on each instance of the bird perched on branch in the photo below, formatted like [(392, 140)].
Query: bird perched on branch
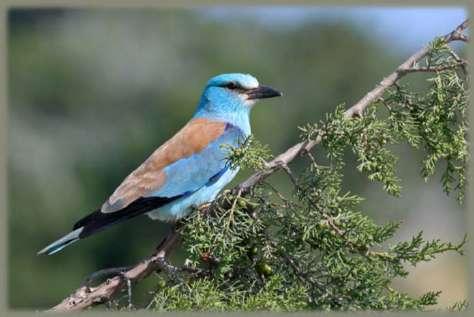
[(189, 169)]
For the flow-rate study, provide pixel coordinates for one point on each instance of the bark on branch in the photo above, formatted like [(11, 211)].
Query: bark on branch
[(86, 296)]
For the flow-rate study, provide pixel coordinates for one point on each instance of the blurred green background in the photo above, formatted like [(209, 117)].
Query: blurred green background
[(93, 92)]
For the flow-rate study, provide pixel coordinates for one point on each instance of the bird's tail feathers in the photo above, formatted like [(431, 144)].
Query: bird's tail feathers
[(60, 244), (98, 221)]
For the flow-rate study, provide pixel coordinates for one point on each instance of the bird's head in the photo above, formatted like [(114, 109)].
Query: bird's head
[(234, 93)]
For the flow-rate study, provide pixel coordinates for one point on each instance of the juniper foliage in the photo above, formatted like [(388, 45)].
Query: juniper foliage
[(316, 249)]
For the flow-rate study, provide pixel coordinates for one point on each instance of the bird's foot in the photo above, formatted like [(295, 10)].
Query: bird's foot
[(172, 272), (204, 206)]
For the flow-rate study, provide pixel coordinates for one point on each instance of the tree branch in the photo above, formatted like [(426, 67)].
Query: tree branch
[(356, 110), (87, 296)]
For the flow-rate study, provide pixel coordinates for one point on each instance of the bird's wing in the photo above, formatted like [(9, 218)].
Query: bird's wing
[(189, 160)]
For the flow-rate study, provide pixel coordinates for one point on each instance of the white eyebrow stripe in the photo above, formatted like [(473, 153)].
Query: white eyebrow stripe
[(250, 83)]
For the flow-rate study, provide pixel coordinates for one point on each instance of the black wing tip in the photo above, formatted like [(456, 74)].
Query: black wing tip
[(99, 220)]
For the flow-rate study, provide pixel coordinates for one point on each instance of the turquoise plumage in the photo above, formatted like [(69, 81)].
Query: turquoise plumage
[(190, 168)]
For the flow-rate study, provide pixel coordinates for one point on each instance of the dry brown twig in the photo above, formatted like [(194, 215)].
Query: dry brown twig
[(86, 296)]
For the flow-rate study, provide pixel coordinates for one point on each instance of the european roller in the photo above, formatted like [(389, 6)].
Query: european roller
[(189, 169)]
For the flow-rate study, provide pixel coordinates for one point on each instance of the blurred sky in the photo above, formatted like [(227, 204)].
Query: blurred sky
[(404, 28)]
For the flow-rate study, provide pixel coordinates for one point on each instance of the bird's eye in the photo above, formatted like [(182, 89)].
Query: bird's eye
[(232, 85)]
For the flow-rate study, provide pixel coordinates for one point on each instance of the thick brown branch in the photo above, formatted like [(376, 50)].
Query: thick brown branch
[(87, 296)]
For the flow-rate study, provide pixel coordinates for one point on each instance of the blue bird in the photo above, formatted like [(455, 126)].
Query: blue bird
[(189, 169)]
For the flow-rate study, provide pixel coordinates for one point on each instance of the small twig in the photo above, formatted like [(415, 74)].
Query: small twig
[(330, 221), (311, 157), (129, 292), (458, 59), (232, 209), (294, 266), (288, 171), (434, 69), (459, 37), (280, 195)]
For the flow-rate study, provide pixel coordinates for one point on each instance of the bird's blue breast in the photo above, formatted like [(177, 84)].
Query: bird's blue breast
[(193, 172), (183, 206), (198, 178)]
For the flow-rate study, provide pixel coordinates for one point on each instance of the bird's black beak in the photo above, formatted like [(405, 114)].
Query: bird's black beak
[(262, 92)]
